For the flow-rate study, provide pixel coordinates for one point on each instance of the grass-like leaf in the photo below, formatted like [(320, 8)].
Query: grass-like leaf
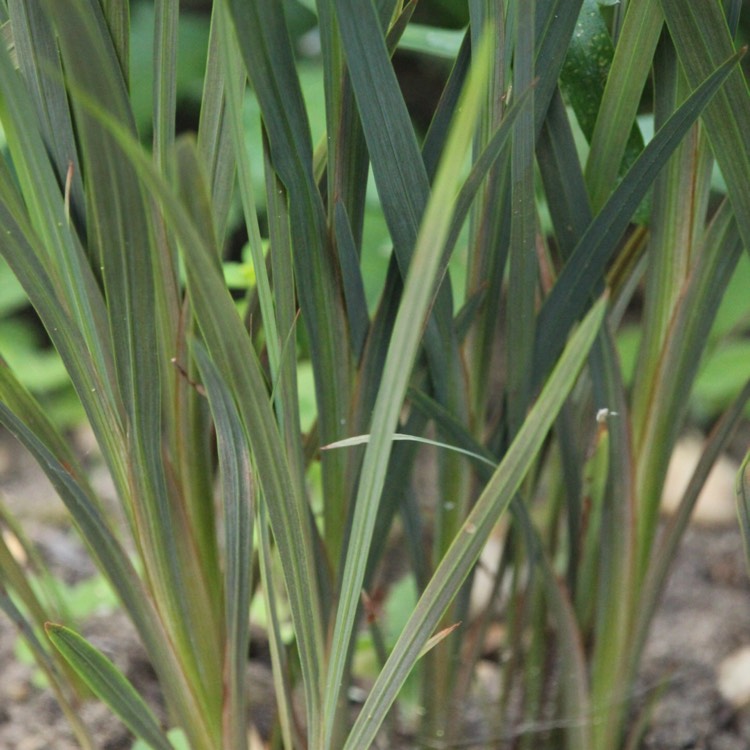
[(702, 41), (465, 550), (108, 684), (236, 494), (418, 294), (615, 116), (584, 270), (268, 55)]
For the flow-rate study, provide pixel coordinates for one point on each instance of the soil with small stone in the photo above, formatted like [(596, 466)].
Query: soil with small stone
[(693, 661)]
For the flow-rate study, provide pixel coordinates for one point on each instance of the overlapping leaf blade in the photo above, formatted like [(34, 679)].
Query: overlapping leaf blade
[(465, 550), (584, 270), (109, 684)]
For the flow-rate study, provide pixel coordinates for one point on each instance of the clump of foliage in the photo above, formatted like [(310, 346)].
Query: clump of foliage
[(196, 406)]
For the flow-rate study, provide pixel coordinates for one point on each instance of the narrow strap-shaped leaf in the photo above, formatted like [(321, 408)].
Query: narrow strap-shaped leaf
[(285, 388), (109, 684), (665, 553), (346, 151), (39, 58), (277, 86), (397, 165), (121, 236), (60, 682), (230, 348), (234, 94), (279, 660), (268, 55), (40, 215), (236, 492), (584, 270), (214, 135), (679, 359), (574, 688), (19, 250), (622, 94), (482, 166), (677, 232), (464, 552), (574, 674), (702, 40), (117, 14), (564, 186), (522, 258), (354, 289), (402, 352), (555, 23), (114, 562), (437, 133), (119, 227), (164, 78)]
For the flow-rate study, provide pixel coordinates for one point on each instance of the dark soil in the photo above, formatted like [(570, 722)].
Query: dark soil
[(703, 618)]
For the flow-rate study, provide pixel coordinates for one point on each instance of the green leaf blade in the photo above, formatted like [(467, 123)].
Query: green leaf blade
[(466, 548), (585, 268), (108, 684)]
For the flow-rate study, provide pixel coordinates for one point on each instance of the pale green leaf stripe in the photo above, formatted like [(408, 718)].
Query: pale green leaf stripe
[(466, 548), (108, 684), (418, 293), (431, 40), (702, 41), (364, 439)]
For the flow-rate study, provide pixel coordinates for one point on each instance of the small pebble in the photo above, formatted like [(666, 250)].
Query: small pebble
[(716, 503), (733, 678)]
